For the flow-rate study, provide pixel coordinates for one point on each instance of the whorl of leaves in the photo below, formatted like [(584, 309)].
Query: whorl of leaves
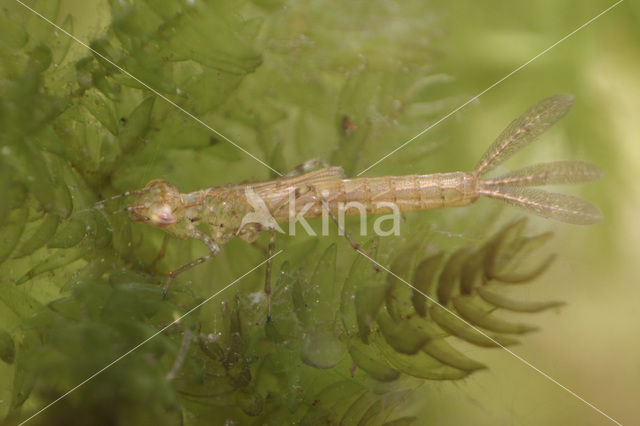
[(311, 363)]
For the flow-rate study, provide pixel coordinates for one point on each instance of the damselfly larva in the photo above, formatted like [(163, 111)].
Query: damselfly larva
[(217, 214)]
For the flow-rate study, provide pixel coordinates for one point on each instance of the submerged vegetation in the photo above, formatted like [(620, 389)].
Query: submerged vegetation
[(81, 286)]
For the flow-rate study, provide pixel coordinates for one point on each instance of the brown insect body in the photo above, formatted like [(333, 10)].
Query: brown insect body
[(218, 214), (218, 211)]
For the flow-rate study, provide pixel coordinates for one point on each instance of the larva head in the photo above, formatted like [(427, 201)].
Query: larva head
[(156, 204)]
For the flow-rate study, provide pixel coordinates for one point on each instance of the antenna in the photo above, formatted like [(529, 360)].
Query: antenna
[(101, 203)]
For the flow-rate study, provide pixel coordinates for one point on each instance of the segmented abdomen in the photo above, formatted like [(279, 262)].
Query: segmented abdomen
[(377, 195)]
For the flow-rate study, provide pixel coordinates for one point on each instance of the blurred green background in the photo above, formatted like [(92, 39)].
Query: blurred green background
[(590, 347), (393, 68)]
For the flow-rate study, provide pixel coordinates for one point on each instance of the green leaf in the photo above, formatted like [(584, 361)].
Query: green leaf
[(300, 306), (250, 402), (423, 279), (360, 274), (99, 106), (358, 409), (106, 84), (41, 57), (67, 307), (136, 125), (98, 228), (369, 298), (7, 347), (41, 235), (36, 175), (418, 365), (222, 50), (332, 402), (501, 301), (450, 275), (105, 49), (500, 249), (401, 336), (323, 284), (37, 29), (12, 33), (14, 195), (469, 309), (23, 382), (449, 323), (447, 354), (404, 421), (61, 43), (11, 230), (472, 274), (520, 277), (57, 260), (321, 348), (399, 294), (367, 360), (19, 302), (383, 408), (70, 234)]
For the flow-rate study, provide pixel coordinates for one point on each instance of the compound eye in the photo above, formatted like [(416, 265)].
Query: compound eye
[(162, 216)]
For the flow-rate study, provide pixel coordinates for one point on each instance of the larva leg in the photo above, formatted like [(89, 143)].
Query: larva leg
[(182, 354), (263, 250), (213, 251), (306, 167), (267, 279), (163, 250), (325, 205)]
